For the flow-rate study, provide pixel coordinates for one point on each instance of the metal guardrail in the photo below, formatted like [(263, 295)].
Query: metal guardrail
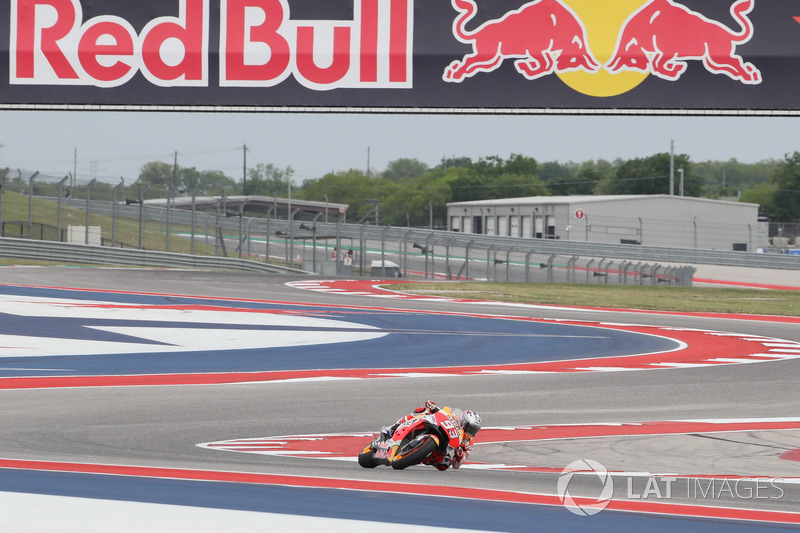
[(103, 255), (629, 252)]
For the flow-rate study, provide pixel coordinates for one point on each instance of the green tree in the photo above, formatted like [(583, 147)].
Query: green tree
[(725, 179), (404, 168), (268, 180), (650, 175), (449, 162), (493, 177), (350, 187), (762, 194), (555, 171), (412, 202), (521, 166), (157, 174), (206, 182), (467, 184), (786, 199), (494, 166), (517, 186), (584, 181), (163, 178)]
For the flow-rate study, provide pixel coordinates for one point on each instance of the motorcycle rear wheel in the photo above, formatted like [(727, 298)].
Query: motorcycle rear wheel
[(416, 454)]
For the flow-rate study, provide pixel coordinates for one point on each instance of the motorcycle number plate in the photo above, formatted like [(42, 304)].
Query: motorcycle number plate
[(452, 428)]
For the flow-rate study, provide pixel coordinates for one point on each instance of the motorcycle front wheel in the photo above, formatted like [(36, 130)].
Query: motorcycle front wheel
[(416, 454), (366, 458)]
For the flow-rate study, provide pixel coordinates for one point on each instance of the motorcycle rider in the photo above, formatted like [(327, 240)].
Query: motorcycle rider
[(469, 421)]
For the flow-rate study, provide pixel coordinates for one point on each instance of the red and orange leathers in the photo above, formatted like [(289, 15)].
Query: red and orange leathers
[(452, 457)]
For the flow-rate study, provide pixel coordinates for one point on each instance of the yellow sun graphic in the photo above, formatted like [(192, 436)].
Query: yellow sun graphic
[(603, 20)]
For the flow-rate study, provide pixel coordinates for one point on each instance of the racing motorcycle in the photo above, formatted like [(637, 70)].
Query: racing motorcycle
[(413, 442)]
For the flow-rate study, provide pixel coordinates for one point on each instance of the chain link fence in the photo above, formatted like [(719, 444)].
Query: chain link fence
[(341, 249)]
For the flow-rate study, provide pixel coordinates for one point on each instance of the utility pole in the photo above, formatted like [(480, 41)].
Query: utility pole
[(174, 171), (171, 199), (368, 162), (723, 184), (672, 168), (244, 170)]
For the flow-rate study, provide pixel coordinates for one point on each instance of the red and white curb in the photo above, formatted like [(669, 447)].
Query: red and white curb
[(345, 446)]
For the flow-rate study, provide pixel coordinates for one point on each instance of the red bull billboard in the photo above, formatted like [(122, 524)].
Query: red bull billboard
[(503, 56)]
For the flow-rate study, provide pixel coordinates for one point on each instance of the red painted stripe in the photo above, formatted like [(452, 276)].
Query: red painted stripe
[(792, 455), (748, 285), (404, 488), (726, 316), (679, 427)]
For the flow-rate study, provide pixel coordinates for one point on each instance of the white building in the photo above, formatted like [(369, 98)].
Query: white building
[(651, 220)]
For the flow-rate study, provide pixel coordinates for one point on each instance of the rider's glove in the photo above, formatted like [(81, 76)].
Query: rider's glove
[(431, 407), (460, 454), (386, 433)]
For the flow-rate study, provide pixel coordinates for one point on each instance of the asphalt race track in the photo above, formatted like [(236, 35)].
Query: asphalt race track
[(197, 401)]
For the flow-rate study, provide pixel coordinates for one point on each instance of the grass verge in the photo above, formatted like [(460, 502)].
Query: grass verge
[(15, 208), (685, 299)]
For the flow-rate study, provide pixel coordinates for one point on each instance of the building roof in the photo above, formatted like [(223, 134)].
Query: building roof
[(254, 203), (583, 199)]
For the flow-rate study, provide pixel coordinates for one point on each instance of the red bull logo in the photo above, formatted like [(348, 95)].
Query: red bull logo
[(544, 36), (260, 45), (660, 37), (604, 47)]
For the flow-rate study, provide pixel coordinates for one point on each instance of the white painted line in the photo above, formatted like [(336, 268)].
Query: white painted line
[(782, 345), (680, 365), (418, 375), (777, 355), (509, 372), (607, 369), (734, 360)]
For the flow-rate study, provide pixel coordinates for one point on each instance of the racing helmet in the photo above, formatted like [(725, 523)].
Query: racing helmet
[(470, 423)]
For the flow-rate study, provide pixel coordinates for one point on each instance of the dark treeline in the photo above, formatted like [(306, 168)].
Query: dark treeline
[(408, 190)]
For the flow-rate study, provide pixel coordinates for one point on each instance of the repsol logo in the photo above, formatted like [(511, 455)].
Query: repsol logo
[(259, 46)]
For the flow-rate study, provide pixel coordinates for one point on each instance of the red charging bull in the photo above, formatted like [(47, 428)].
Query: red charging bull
[(661, 36), (544, 37)]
